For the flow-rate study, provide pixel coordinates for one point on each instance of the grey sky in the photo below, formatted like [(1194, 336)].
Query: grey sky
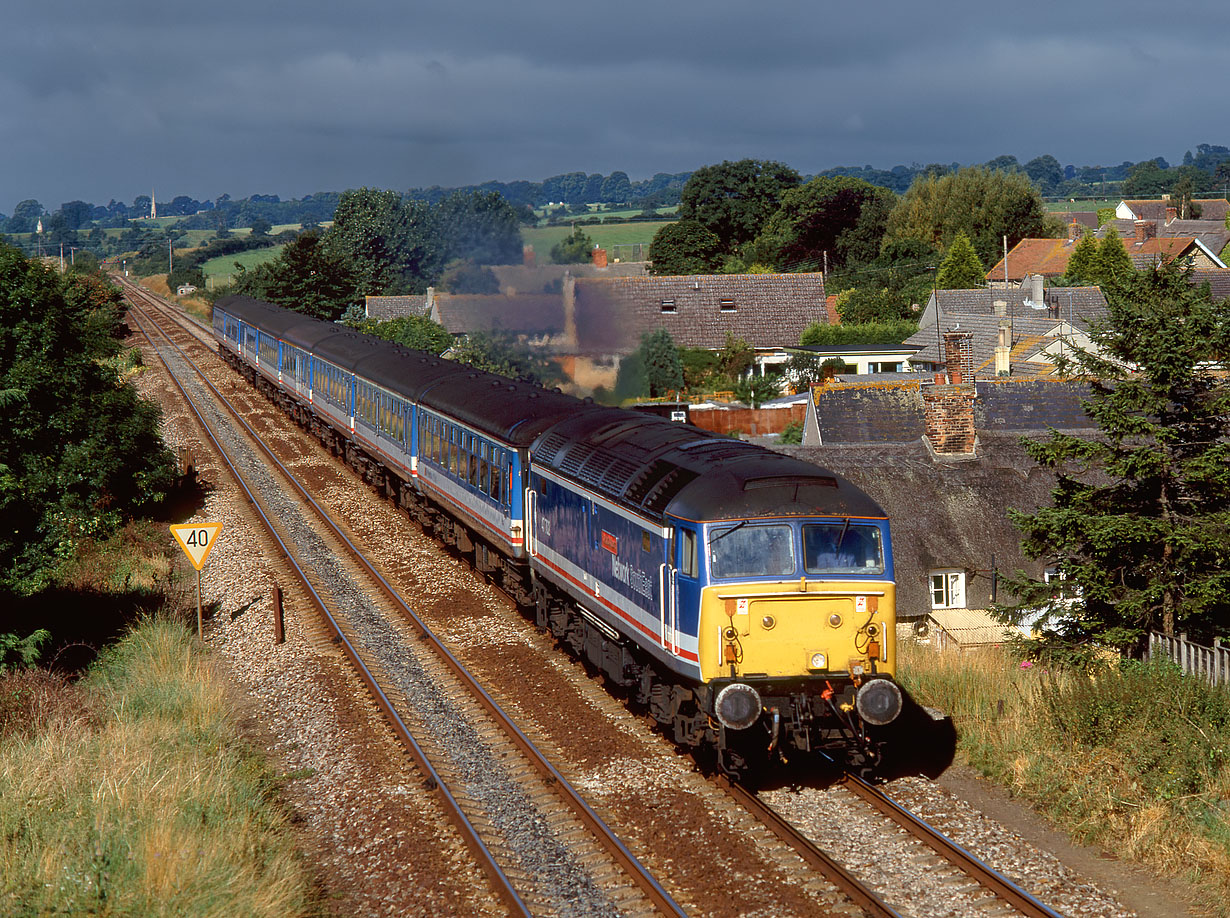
[(111, 100)]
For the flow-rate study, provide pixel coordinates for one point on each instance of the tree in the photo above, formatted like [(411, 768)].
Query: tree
[(1045, 172), (480, 227), (735, 200), (685, 247), (838, 219), (660, 359), (307, 277), (1113, 264), (986, 205), (418, 333), (575, 248), (260, 226), (1140, 513), (25, 217), (464, 276), (503, 355), (390, 244), (1083, 262), (960, 269), (81, 451)]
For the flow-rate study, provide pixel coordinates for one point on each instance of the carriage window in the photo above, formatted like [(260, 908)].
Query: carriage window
[(484, 476), (842, 548), (497, 479), (752, 551)]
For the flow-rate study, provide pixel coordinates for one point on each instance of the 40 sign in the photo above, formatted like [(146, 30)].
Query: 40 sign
[(197, 540)]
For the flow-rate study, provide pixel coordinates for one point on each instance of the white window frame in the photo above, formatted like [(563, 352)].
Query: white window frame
[(947, 588)]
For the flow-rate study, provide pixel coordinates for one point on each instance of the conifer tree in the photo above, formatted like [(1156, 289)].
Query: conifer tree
[(1083, 264), (1114, 265), (961, 269), (1140, 513)]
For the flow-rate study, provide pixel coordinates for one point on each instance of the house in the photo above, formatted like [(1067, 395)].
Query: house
[(1013, 332), (944, 459), (1164, 209), (1048, 258)]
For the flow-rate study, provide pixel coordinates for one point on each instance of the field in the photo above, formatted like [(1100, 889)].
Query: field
[(224, 265), (605, 236), (1081, 205)]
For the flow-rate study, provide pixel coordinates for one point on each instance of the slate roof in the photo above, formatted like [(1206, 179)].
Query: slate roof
[(1218, 281), (1081, 304), (1030, 334), (945, 515), (533, 315), (1020, 406), (877, 413), (766, 310)]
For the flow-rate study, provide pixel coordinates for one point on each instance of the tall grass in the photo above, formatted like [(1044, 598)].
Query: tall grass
[(133, 794), (1134, 757)]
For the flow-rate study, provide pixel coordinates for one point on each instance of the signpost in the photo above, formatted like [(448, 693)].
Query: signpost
[(197, 540)]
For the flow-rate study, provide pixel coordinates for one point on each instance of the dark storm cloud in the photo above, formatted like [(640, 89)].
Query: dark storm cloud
[(113, 100)]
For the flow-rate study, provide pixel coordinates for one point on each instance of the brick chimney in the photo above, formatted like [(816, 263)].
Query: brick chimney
[(1144, 230), (959, 356), (1171, 214), (527, 256), (948, 415), (1074, 231), (599, 257)]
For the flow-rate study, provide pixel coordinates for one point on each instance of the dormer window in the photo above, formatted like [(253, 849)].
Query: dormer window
[(668, 306), (726, 304)]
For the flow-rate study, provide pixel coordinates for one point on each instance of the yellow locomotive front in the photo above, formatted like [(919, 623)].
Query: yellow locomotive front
[(797, 632)]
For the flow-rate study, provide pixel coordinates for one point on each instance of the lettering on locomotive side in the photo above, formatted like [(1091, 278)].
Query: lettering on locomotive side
[(637, 581)]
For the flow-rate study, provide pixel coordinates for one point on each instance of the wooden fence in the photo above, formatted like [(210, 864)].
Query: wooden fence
[(1210, 663)]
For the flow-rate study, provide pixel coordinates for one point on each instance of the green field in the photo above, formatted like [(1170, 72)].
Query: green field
[(224, 265), (542, 238), (1083, 204)]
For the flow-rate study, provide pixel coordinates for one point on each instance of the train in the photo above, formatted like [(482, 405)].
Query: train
[(743, 598)]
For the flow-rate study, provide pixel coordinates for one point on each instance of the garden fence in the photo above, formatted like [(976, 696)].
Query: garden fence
[(1210, 663)]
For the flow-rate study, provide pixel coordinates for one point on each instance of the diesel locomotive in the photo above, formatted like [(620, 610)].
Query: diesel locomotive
[(743, 598)]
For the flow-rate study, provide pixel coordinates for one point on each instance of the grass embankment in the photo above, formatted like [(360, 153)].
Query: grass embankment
[(131, 793), (1134, 758)]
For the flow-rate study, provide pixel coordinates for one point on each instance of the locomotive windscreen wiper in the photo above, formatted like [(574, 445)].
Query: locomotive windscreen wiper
[(725, 532)]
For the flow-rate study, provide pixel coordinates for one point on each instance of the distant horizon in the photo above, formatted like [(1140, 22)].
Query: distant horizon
[(52, 207)]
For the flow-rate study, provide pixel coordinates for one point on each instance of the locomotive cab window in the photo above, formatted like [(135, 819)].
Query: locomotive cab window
[(842, 548), (689, 564), (744, 550)]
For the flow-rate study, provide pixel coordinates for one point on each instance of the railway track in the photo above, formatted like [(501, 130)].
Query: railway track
[(542, 847), (395, 619)]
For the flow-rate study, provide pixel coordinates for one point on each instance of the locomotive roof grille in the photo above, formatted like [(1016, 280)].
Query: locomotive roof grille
[(678, 479), (619, 475)]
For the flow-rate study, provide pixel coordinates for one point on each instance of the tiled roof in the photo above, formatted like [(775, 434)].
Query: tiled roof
[(395, 307), (530, 314), (1155, 209), (765, 310), (1048, 257), (1212, 233)]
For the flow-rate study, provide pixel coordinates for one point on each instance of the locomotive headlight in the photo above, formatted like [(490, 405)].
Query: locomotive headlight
[(835, 620), (878, 701), (737, 706), (818, 661)]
